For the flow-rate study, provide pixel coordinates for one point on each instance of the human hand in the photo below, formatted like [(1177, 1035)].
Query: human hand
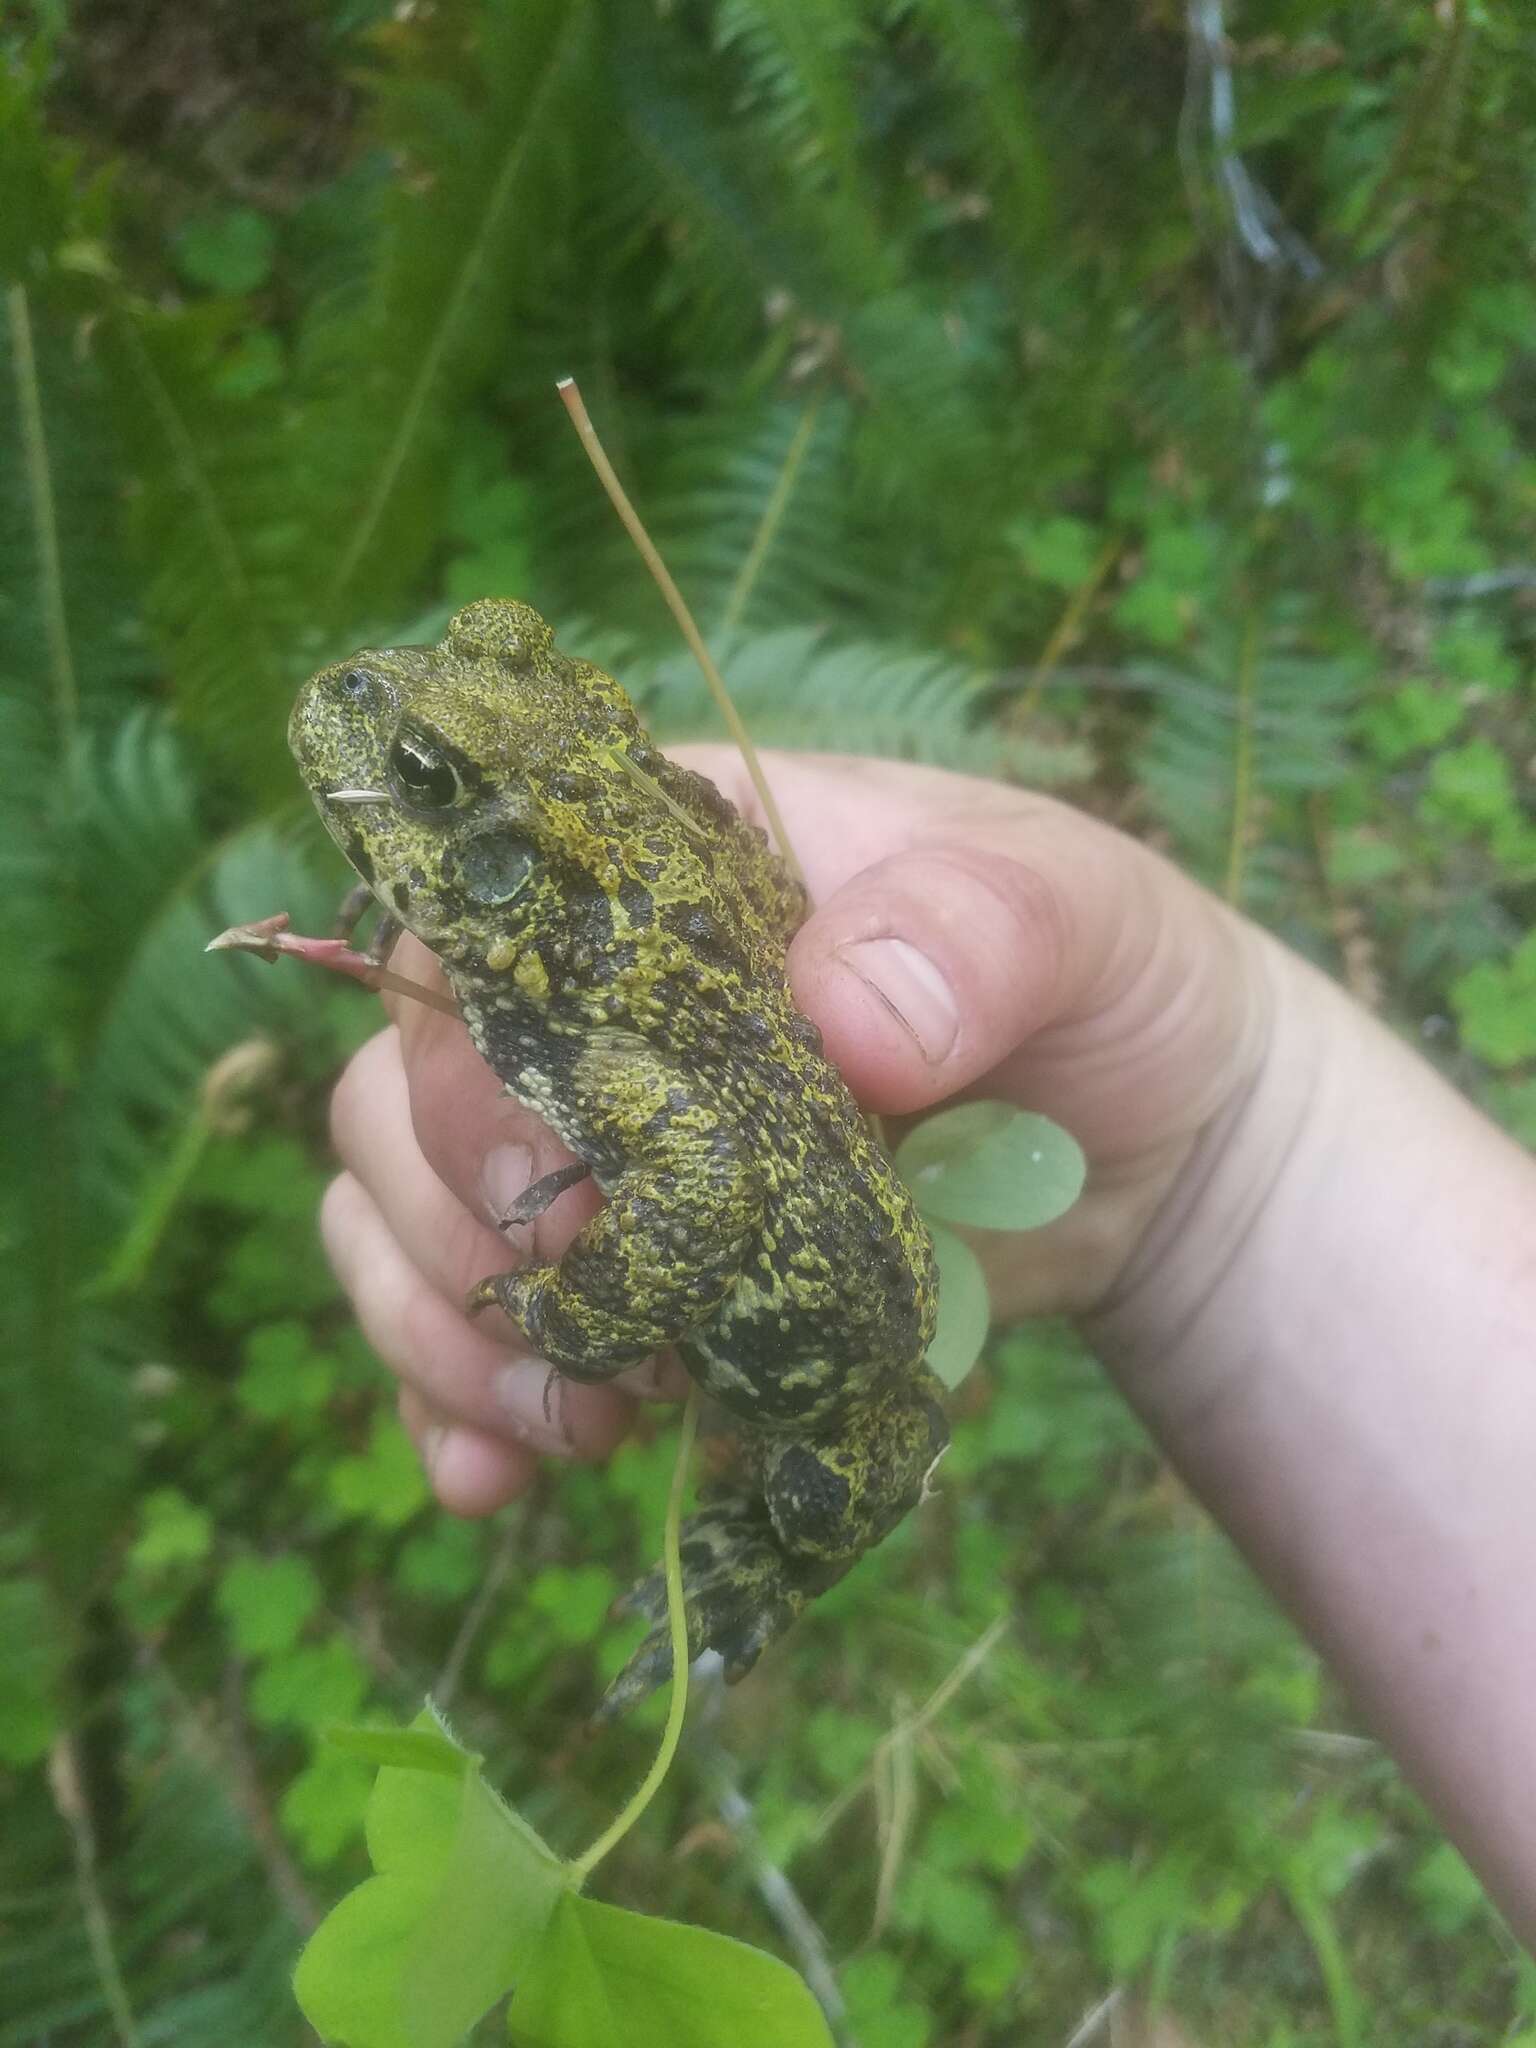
[(1325, 1319), (970, 939)]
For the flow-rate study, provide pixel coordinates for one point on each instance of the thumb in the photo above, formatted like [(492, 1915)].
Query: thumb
[(927, 969)]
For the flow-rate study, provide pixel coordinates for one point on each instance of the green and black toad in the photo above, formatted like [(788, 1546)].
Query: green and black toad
[(615, 935)]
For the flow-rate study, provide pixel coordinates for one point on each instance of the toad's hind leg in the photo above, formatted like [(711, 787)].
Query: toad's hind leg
[(752, 1561)]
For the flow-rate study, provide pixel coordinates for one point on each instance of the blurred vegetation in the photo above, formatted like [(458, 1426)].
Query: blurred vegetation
[(1125, 399)]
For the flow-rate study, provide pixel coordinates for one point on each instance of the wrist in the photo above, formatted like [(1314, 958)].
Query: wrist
[(1192, 1270), (1329, 1332)]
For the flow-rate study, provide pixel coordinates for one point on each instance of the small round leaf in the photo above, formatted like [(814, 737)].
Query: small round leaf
[(965, 1311), (991, 1166)]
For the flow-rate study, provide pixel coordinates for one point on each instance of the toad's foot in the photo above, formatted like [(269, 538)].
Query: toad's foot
[(539, 1194), (740, 1590)]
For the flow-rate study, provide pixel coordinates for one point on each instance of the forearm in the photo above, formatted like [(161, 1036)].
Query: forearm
[(1332, 1331)]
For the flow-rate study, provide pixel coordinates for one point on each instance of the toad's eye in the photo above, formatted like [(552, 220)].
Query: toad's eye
[(423, 774)]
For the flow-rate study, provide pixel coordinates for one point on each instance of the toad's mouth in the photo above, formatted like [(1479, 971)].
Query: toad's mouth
[(357, 796)]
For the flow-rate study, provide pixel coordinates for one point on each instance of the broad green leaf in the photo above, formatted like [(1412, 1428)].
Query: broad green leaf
[(324, 1807), (385, 1484), (1448, 1894), (606, 1978), (444, 1562), (311, 1686), (1495, 1004), (229, 251), (267, 1601), (406, 1749), (965, 1311), (991, 1166), (463, 1891), (1361, 856), (254, 365), (1470, 787), (172, 1531), (1060, 550), (1473, 652), (874, 1986), (576, 1598), (955, 1909), (1416, 717), (283, 1374)]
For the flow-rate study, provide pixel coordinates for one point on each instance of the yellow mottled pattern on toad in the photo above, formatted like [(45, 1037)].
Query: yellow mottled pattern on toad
[(615, 934)]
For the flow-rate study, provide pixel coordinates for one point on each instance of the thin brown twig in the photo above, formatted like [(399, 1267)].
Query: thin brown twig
[(895, 1779), (634, 526), (909, 1729), (270, 939), (282, 1871)]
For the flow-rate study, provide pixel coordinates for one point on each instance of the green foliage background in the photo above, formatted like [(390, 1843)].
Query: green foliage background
[(1135, 402)]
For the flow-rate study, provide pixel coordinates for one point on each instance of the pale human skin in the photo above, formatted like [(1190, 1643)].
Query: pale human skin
[(1308, 1264)]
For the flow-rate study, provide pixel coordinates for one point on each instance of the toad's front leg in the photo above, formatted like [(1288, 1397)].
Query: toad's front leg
[(669, 1245)]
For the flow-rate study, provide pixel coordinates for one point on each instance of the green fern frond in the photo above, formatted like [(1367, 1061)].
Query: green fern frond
[(173, 1011), (132, 817), (796, 688), (740, 230), (461, 239), (983, 55), (89, 844), (806, 64), (932, 433), (1183, 1593), (272, 525), (66, 1454), (67, 596), (89, 1120), (1297, 741), (32, 912), (750, 509), (1459, 177), (205, 1949), (218, 522)]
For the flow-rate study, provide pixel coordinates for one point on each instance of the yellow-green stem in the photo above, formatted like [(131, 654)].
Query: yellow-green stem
[(677, 1621), (772, 519), (1063, 631)]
